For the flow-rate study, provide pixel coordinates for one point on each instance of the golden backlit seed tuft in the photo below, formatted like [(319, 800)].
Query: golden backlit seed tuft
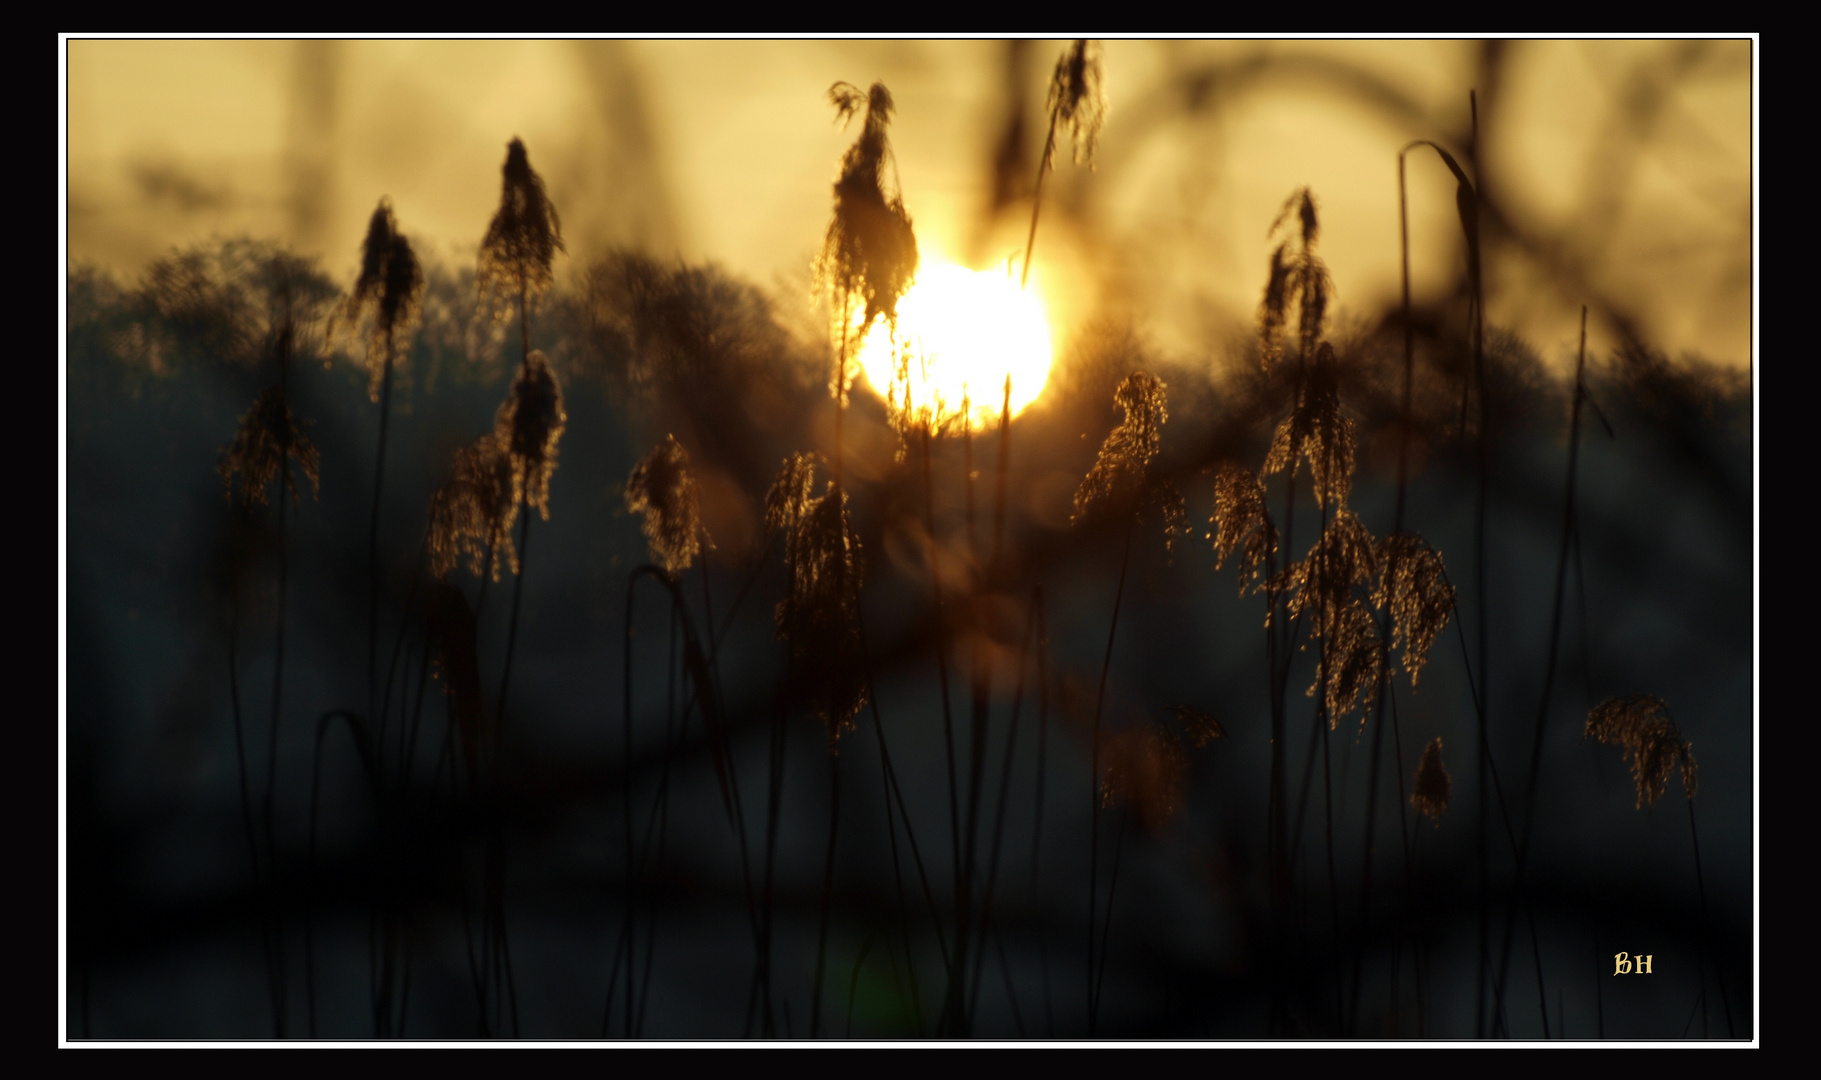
[(1240, 518), (1146, 769), (1317, 432), (663, 489), (1430, 793), (1078, 98), (389, 293), (1413, 589), (1652, 743), (870, 252), (528, 424), (268, 434), (1321, 585), (1353, 660), (522, 240), (472, 513), (1117, 481), (820, 615), (1298, 280)]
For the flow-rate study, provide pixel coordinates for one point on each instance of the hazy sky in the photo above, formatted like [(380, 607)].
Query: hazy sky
[(1629, 164)]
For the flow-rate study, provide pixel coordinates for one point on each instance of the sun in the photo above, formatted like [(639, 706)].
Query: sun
[(960, 333)]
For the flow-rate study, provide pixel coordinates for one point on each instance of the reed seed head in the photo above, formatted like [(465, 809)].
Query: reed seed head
[(820, 616), (269, 434), (528, 424), (1078, 99), (1198, 727), (870, 251), (1652, 743), (389, 292), (521, 241), (663, 489), (1240, 518), (1145, 768), (1429, 794), (1117, 481), (1413, 588), (472, 513), (1353, 661), (1298, 279), (1323, 581), (1318, 432)]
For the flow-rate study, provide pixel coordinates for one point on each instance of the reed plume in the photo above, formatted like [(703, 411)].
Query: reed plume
[(1144, 769), (1321, 585), (820, 615), (1652, 743), (1429, 793), (1077, 99), (870, 251), (1354, 655), (388, 295), (663, 489), (1414, 590), (1240, 518), (521, 242), (528, 424), (1317, 432), (1120, 482), (269, 434), (472, 513), (1298, 282)]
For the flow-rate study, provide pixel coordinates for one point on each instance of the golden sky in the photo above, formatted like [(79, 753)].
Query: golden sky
[(1627, 166)]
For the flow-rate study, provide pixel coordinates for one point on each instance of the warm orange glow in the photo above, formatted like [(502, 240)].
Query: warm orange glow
[(960, 333)]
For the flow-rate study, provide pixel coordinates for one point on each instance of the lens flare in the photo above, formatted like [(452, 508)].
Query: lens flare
[(960, 333)]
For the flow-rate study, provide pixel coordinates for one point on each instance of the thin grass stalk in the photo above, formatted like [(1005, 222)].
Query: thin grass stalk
[(955, 1008), (1106, 667), (1322, 733), (1279, 638), (379, 477), (398, 643), (497, 868), (1043, 167), (1536, 954), (1479, 547), (673, 735), (717, 729), (1365, 884), (626, 806), (1706, 924), (828, 885), (1403, 835), (1043, 732), (891, 834), (948, 717), (246, 804), (779, 736), (1005, 973), (853, 984), (896, 795), (1106, 931), (276, 929), (1005, 783), (1005, 454), (1555, 632)]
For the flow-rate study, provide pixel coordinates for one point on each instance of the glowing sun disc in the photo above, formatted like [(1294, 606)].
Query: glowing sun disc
[(960, 333)]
